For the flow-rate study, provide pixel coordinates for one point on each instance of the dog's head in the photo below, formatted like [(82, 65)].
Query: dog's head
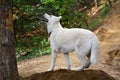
[(51, 19)]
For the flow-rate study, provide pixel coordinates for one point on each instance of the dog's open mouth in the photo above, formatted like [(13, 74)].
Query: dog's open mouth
[(44, 20)]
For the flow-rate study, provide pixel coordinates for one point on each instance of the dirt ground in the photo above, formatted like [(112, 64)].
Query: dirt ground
[(63, 74), (109, 62)]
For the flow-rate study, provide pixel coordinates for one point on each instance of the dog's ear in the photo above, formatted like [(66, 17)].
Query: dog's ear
[(47, 16), (58, 18)]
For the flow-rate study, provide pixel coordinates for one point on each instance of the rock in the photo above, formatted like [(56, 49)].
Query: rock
[(71, 75)]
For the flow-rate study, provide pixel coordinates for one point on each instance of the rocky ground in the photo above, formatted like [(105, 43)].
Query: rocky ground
[(109, 62)]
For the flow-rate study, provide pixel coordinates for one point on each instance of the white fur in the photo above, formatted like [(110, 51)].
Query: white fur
[(82, 41)]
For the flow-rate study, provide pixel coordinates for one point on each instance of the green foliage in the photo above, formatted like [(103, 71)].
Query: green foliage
[(105, 11), (71, 17), (34, 46), (94, 23)]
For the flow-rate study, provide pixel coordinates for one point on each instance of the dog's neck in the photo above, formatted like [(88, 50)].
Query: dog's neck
[(53, 27)]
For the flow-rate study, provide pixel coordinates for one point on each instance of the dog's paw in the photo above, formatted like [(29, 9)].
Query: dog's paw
[(50, 69), (80, 68), (87, 65)]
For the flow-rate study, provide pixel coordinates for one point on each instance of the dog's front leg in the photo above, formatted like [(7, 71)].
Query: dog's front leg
[(54, 55), (66, 55)]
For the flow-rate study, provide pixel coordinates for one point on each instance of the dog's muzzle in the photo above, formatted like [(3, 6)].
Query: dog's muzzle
[(44, 20)]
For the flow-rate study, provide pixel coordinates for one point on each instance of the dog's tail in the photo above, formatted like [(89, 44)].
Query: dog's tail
[(94, 51)]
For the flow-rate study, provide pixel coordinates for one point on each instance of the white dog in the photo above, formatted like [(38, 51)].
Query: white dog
[(82, 41)]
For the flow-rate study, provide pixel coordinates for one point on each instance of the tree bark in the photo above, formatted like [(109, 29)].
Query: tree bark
[(8, 64)]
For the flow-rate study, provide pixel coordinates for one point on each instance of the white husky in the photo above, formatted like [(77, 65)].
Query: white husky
[(82, 41)]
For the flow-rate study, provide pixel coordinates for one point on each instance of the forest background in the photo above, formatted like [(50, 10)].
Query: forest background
[(31, 33)]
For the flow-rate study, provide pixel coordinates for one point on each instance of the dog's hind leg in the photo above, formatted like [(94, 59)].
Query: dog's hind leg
[(54, 55), (66, 55), (83, 61), (81, 56), (88, 61)]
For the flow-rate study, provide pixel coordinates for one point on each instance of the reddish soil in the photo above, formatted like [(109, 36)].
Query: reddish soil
[(109, 62), (71, 75)]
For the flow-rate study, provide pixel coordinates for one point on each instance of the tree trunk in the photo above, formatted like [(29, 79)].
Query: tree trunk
[(8, 64)]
